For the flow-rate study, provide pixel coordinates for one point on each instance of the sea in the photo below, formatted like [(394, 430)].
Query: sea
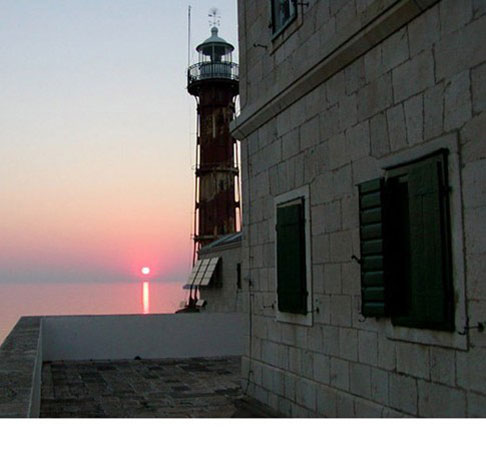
[(17, 300)]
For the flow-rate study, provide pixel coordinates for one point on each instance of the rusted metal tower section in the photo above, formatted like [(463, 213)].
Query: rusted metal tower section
[(213, 81)]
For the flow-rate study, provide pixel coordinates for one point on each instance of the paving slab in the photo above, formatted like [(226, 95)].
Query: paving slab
[(195, 387)]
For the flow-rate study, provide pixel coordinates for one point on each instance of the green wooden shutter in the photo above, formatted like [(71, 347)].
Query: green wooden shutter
[(372, 248), (291, 265), (429, 246)]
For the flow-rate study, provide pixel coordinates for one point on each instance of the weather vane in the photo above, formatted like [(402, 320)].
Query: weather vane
[(214, 17)]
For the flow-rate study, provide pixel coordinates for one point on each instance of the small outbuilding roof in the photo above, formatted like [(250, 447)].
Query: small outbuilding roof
[(223, 241)]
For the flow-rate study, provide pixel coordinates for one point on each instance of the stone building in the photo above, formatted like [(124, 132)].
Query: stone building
[(364, 245)]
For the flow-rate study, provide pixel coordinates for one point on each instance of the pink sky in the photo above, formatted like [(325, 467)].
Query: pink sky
[(96, 141)]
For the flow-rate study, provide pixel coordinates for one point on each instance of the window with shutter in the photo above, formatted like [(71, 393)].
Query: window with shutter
[(283, 13), (405, 246), (291, 258), (427, 273)]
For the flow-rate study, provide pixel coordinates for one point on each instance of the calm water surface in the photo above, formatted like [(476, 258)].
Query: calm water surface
[(86, 299)]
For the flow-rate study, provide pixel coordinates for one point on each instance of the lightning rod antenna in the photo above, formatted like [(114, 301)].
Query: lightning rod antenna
[(189, 35)]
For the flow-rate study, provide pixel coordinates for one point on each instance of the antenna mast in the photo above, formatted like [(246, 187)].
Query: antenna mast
[(189, 35)]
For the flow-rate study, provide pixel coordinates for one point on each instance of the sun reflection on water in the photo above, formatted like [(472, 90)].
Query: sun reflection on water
[(146, 297)]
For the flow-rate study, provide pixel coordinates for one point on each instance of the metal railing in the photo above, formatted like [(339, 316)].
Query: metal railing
[(213, 70)]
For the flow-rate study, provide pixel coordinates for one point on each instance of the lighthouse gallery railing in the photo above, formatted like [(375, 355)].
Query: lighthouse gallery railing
[(212, 70)]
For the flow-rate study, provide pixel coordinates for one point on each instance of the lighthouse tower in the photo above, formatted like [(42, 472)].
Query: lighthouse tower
[(213, 81)]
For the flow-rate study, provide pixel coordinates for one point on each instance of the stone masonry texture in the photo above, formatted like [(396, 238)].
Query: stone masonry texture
[(195, 387), (421, 87)]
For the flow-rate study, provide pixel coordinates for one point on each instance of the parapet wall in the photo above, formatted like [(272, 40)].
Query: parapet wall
[(20, 369), (154, 337)]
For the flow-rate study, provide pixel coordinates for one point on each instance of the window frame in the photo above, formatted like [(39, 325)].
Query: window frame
[(276, 32), (302, 194), (402, 171), (399, 298), (454, 340)]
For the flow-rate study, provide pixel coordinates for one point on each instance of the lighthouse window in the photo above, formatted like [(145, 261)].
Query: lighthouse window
[(283, 13)]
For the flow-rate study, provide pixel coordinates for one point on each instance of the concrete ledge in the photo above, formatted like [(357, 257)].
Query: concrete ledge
[(20, 369)]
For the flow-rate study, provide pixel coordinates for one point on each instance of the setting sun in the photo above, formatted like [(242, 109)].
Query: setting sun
[(145, 270)]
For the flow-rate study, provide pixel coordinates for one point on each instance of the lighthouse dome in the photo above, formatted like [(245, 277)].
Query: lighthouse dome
[(215, 47)]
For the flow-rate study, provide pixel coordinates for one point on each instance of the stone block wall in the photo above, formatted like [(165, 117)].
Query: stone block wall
[(414, 83)]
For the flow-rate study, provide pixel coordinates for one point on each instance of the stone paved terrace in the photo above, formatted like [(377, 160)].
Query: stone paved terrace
[(193, 387)]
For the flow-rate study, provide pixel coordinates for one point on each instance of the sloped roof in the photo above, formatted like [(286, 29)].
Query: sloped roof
[(223, 241)]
